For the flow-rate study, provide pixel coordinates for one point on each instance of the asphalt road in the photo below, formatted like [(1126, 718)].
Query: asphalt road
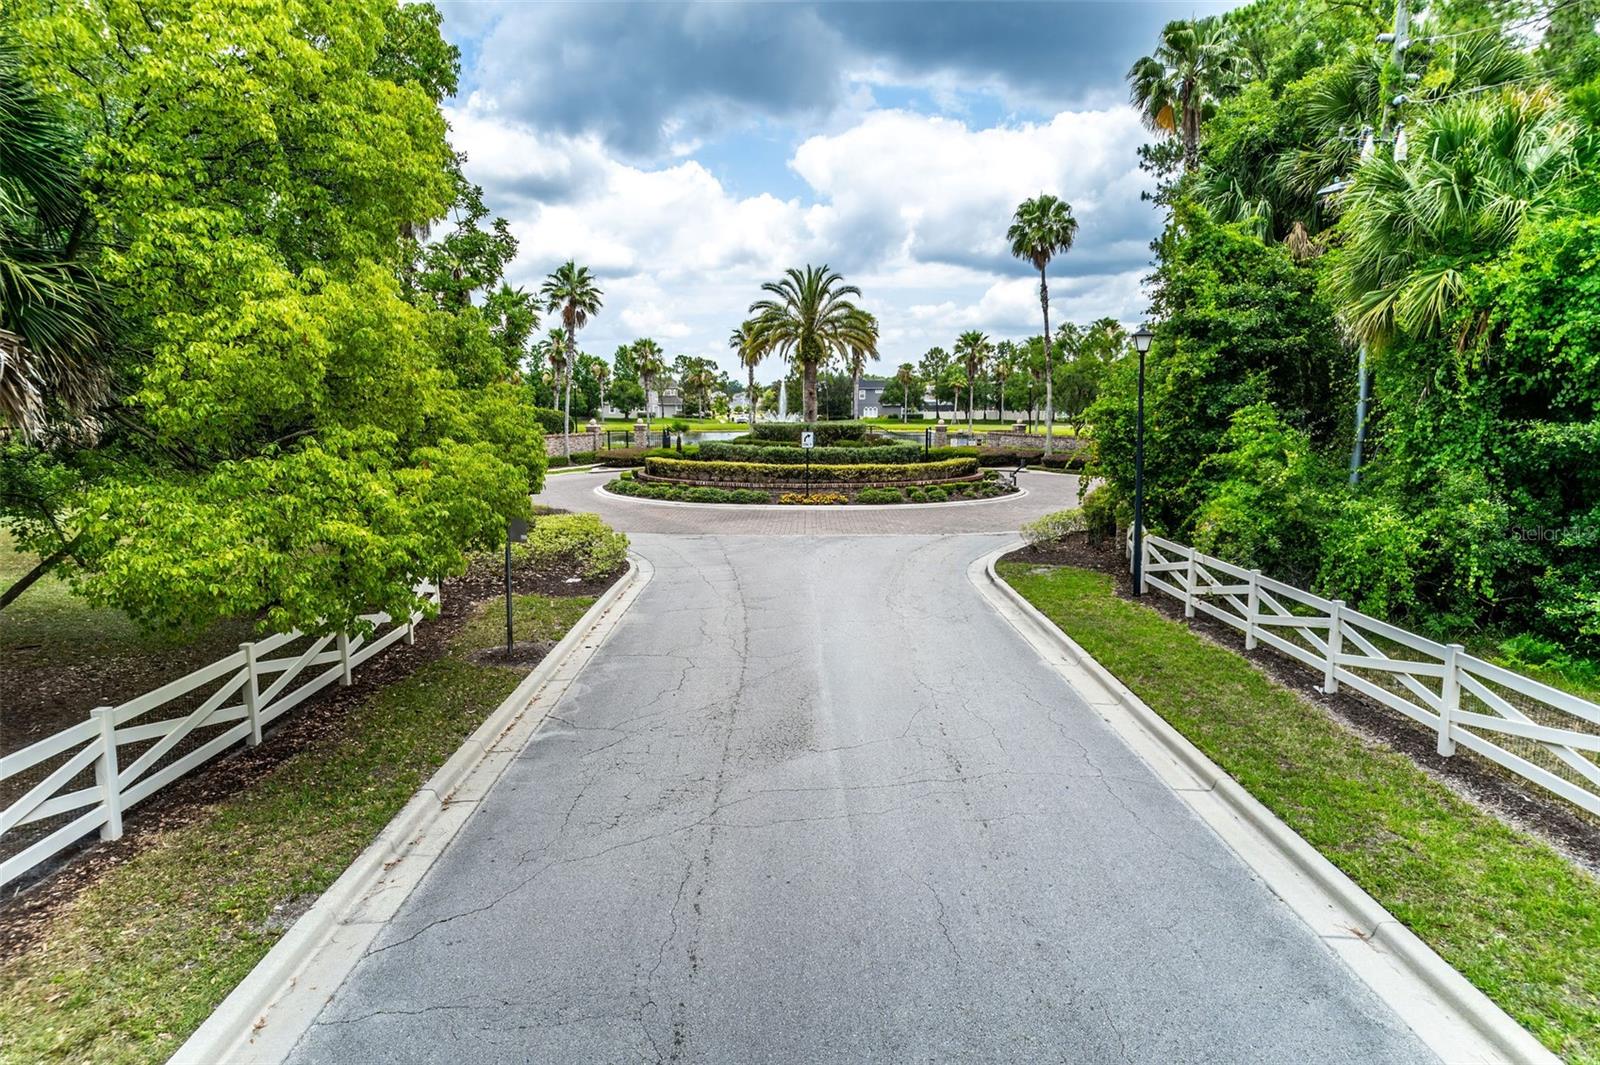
[(815, 802)]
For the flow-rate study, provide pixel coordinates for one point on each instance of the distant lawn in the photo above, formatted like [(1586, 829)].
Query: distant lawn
[(1514, 916), (127, 970), (960, 422)]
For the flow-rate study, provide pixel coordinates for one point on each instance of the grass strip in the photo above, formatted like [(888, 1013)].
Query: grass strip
[(135, 963), (1510, 913)]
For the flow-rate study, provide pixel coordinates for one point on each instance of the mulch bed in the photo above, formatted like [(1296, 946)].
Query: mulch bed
[(28, 903), (1478, 780)]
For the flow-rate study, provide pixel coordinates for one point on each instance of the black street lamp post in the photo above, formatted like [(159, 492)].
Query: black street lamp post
[(1141, 343)]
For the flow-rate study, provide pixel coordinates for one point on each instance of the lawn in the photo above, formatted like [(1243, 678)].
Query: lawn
[(132, 965), (1510, 913)]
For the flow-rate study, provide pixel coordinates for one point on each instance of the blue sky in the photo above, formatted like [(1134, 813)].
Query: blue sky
[(688, 152)]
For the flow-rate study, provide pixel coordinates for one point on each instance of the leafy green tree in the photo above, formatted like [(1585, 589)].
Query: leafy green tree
[(570, 290), (1240, 323), (627, 396), (1041, 229), (810, 319), (292, 437)]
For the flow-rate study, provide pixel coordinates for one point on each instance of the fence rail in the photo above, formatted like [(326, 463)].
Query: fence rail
[(248, 690), (1542, 734)]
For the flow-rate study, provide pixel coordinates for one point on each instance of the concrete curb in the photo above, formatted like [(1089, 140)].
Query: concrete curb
[(1455, 1019), (264, 1016)]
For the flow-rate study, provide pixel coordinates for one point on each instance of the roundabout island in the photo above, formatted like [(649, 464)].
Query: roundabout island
[(847, 464)]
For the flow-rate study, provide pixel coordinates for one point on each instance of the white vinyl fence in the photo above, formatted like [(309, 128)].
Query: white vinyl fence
[(243, 693), (1538, 732)]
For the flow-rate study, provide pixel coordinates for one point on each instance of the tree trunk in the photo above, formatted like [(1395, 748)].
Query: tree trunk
[(750, 397), (855, 390), (566, 410), (1000, 399), (1049, 370), (1191, 128), (27, 580), (809, 405), (969, 406)]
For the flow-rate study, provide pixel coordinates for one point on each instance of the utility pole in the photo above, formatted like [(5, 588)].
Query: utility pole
[(1401, 40)]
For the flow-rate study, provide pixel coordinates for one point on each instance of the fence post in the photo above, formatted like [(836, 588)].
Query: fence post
[(252, 693), (1188, 587), (411, 629), (105, 771), (1330, 680), (344, 659), (1252, 607), (1450, 698)]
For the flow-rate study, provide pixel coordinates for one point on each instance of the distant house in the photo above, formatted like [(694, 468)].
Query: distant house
[(869, 402)]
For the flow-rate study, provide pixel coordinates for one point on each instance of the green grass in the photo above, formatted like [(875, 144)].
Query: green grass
[(1509, 912), (61, 627), (696, 425), (1061, 428), (138, 960)]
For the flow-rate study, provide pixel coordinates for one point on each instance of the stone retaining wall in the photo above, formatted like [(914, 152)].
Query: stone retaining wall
[(553, 442)]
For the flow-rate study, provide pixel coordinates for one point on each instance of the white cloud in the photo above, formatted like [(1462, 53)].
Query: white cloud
[(911, 207)]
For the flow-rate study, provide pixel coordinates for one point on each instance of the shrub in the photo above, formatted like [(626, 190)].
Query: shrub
[(582, 540), (1100, 512), (622, 456), (916, 495), (578, 458), (549, 420), (814, 499), (879, 495), (1054, 527), (936, 495), (731, 451), (760, 473), (826, 432), (1060, 460)]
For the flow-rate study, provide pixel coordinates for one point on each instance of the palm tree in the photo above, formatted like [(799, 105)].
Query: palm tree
[(810, 319), (698, 378), (1005, 354), (1190, 68), (602, 376), (862, 349), (907, 376), (650, 363), (743, 341), (1042, 228), (1478, 168), (972, 348), (570, 289), (556, 353), (55, 322)]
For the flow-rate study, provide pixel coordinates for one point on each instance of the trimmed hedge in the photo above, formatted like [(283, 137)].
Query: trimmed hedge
[(882, 454), (826, 432), (635, 456), (1010, 458), (760, 473), (549, 420), (678, 493)]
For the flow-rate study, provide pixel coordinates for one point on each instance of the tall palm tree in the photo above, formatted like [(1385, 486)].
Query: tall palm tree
[(650, 363), (810, 318), (743, 341), (1478, 168), (570, 289), (55, 322), (1005, 354), (1192, 65), (907, 376), (860, 350), (556, 354), (1041, 229), (972, 348), (602, 376)]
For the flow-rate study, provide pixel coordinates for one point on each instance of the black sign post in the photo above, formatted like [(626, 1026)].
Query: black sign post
[(807, 442), (516, 532)]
